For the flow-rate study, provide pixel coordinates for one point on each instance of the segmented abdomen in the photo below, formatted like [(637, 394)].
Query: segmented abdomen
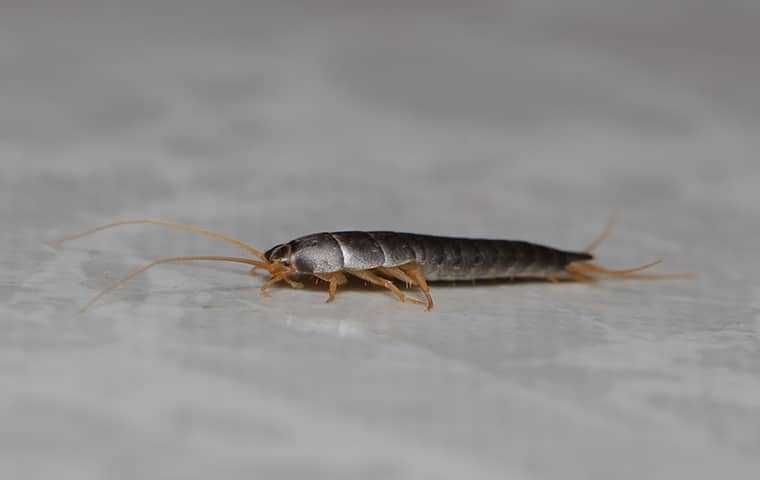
[(450, 258)]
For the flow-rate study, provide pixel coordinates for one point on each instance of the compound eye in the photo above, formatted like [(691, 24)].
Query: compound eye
[(280, 253)]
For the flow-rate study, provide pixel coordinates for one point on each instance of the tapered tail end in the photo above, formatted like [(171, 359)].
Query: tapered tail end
[(587, 269)]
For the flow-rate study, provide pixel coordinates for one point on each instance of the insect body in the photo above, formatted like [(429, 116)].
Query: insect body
[(382, 257), (440, 258)]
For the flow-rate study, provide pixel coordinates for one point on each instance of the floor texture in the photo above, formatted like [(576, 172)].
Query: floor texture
[(268, 120)]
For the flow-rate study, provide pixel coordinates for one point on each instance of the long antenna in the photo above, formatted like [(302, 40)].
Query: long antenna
[(177, 226), (133, 274)]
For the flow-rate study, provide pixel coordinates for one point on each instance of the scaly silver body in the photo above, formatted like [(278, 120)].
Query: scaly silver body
[(441, 258)]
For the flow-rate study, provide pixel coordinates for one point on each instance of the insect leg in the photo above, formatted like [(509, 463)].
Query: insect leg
[(415, 272), (277, 278), (382, 282), (335, 280), (397, 273), (268, 284), (292, 283)]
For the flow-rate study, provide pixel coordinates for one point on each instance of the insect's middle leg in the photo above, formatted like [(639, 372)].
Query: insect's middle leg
[(335, 280), (382, 282), (397, 273)]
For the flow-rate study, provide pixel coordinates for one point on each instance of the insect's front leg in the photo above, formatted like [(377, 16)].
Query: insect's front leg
[(276, 278), (293, 283)]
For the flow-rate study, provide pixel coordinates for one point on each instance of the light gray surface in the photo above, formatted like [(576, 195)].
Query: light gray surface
[(534, 120)]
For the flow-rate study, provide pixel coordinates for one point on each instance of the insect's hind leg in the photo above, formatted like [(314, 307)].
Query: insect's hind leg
[(415, 272), (399, 274), (382, 282)]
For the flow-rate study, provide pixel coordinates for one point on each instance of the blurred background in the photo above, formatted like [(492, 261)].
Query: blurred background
[(267, 120)]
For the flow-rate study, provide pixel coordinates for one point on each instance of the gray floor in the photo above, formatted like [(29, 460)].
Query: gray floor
[(535, 120)]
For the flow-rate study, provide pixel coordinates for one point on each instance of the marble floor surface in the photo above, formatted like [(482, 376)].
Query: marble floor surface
[(267, 120)]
